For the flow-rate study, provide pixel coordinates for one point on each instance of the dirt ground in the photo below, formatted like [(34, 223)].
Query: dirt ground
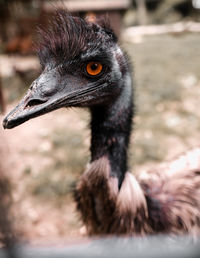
[(45, 156), (42, 200)]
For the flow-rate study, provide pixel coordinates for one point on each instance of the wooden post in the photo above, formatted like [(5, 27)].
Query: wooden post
[(141, 12), (2, 102)]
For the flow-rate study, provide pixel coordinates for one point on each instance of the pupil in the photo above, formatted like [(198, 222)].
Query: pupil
[(94, 66)]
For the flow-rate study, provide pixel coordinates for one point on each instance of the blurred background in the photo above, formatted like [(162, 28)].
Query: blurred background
[(41, 160)]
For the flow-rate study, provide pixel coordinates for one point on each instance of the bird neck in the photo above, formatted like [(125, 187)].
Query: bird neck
[(111, 127)]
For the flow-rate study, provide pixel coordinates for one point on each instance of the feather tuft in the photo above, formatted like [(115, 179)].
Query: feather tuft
[(66, 37)]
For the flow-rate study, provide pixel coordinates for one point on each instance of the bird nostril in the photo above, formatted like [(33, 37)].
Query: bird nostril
[(35, 102)]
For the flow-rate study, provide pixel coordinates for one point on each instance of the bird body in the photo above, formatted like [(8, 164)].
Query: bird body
[(84, 66), (162, 201)]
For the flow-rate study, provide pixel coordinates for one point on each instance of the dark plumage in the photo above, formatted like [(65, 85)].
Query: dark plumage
[(84, 66), (68, 37)]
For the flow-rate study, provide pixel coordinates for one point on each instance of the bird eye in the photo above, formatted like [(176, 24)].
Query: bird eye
[(94, 68)]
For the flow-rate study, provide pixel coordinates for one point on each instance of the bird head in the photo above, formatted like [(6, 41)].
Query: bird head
[(81, 67)]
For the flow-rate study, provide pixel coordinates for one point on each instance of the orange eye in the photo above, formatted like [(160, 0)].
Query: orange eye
[(94, 68)]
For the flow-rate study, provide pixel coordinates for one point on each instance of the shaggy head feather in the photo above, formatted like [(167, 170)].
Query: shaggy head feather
[(67, 37)]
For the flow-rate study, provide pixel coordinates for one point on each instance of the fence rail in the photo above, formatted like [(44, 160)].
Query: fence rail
[(155, 247)]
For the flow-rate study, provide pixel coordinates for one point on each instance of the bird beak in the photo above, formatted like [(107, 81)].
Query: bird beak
[(28, 108), (49, 92)]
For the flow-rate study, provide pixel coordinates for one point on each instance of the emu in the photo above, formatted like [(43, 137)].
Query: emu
[(84, 66)]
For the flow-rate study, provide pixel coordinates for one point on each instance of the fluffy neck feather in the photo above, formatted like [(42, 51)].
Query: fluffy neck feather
[(107, 210)]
